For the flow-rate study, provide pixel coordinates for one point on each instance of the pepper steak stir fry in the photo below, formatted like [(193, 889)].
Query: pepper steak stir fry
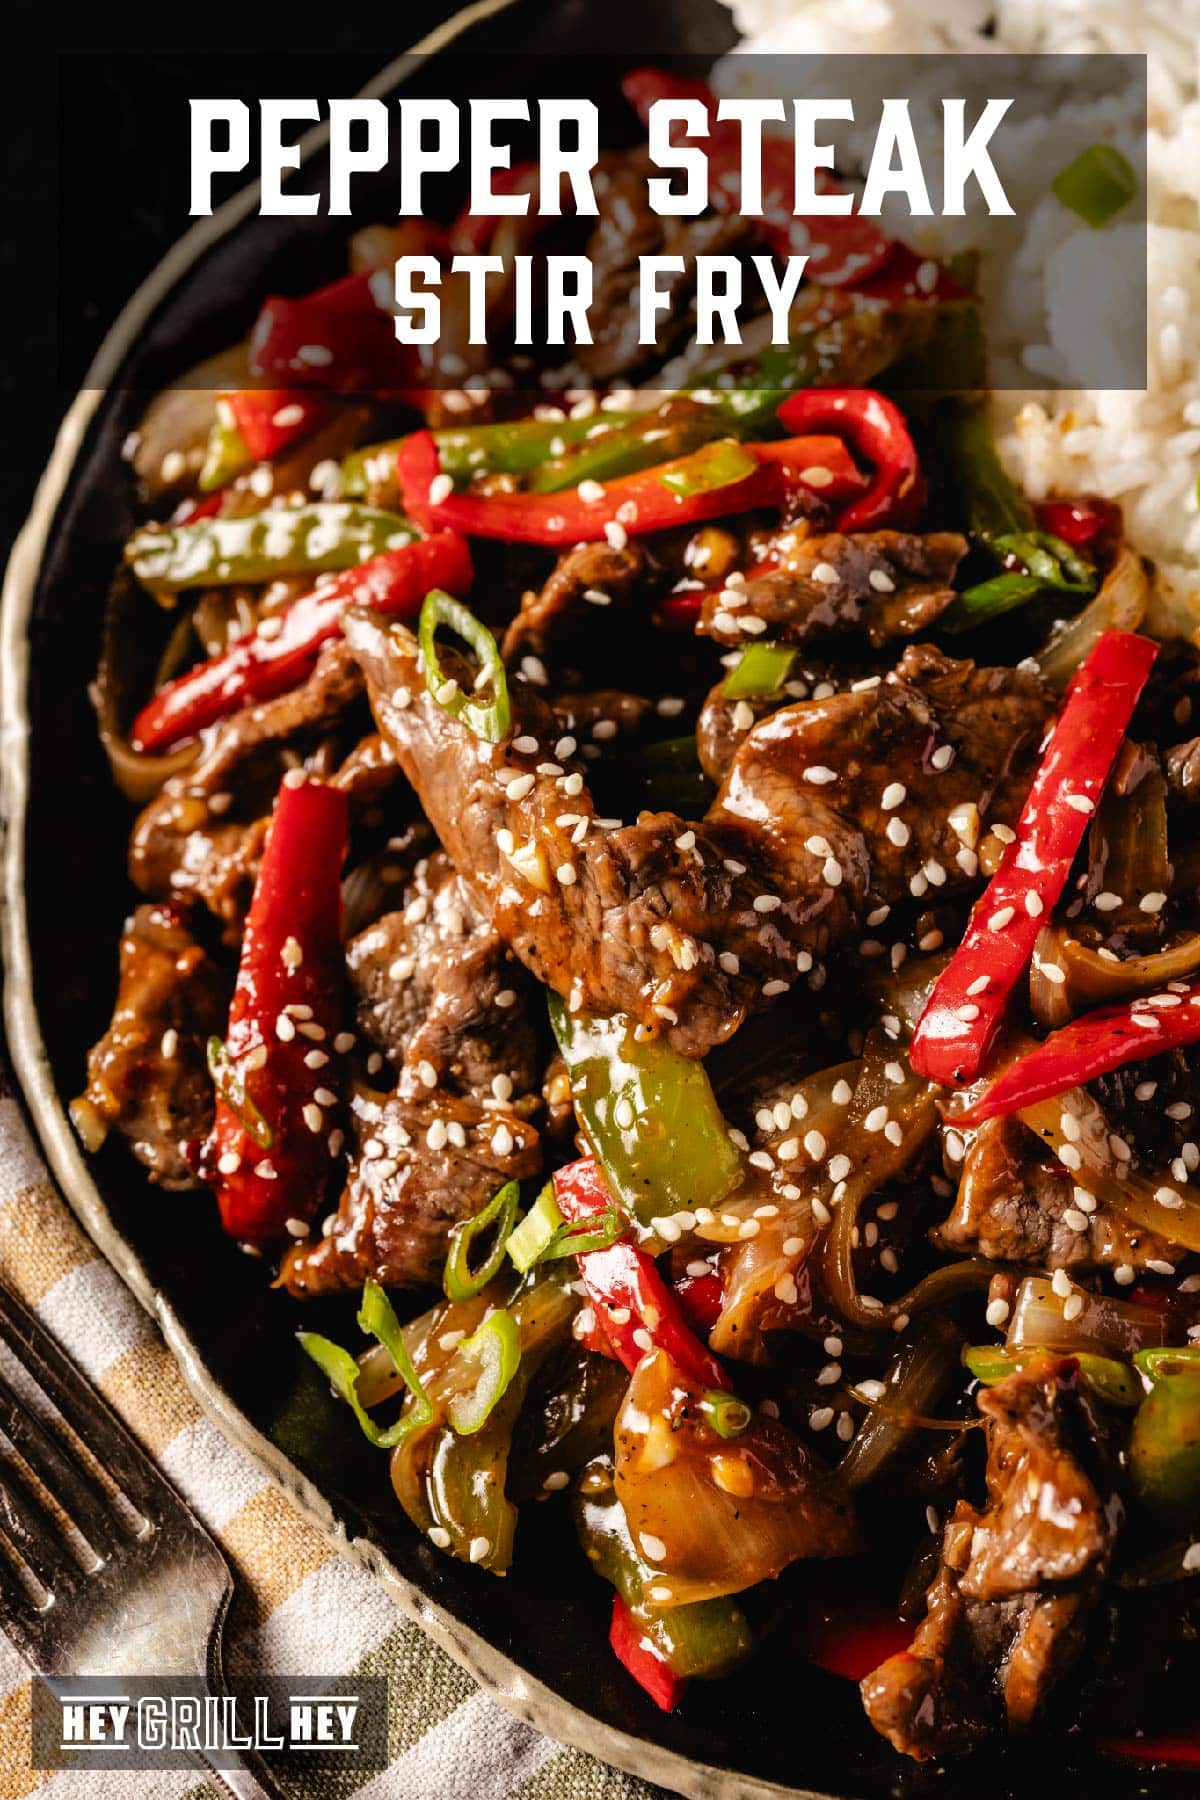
[(712, 887)]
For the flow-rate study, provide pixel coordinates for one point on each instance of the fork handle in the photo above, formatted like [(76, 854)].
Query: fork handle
[(248, 1779)]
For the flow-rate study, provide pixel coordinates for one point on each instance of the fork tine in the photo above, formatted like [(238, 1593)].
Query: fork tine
[(83, 1409), (32, 1534), (71, 1486)]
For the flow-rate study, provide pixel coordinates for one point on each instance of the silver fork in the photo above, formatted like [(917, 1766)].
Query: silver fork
[(107, 1577)]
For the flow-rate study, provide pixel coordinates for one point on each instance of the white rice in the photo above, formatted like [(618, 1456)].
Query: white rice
[(1139, 448)]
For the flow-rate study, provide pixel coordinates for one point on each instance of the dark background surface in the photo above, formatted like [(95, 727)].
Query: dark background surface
[(124, 133)]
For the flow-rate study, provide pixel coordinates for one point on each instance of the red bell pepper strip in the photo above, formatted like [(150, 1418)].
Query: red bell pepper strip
[(268, 1156), (624, 1280), (338, 338), (1181, 1749), (281, 653), (964, 1011), (701, 1297), (844, 249), (1082, 523), (876, 430), (1092, 1045), (635, 1652), (633, 503), (207, 507), (269, 419)]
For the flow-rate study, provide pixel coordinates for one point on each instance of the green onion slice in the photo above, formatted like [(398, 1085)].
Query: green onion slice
[(595, 1231), (489, 722), (763, 670), (376, 1317), (1096, 185), (225, 454), (545, 1236), (728, 1416), (530, 1238), (1161, 1364), (496, 1348), (459, 1280), (1111, 1379), (231, 1088), (714, 466)]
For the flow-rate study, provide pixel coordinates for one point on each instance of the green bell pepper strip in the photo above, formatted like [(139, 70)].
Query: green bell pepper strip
[(491, 721), (496, 1347), (649, 1114), (992, 502), (704, 1638), (671, 777), (1111, 1380), (624, 450), (226, 454), (1164, 1446), (377, 1318), (301, 540), (459, 1280), (763, 669), (511, 447), (1003, 521), (456, 1482)]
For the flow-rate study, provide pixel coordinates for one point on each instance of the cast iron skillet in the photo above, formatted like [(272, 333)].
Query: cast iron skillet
[(536, 1639)]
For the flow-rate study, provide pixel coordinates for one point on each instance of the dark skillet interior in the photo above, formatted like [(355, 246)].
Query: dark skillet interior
[(779, 1719)]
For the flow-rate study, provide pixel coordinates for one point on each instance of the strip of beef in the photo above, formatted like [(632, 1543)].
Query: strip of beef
[(581, 605), (618, 715), (655, 919), (201, 838), (148, 1074), (688, 928), (421, 1163), (881, 790), (875, 586), (723, 723), (437, 989), (627, 228), (1017, 1205), (1008, 1610)]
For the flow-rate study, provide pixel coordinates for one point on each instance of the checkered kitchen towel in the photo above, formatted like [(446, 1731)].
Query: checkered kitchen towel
[(299, 1608)]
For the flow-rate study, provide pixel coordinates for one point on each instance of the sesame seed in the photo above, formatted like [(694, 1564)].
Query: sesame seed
[(819, 774), (814, 1143), (729, 962), (997, 1314), (820, 1418), (942, 757), (313, 1117), (1152, 903), (894, 795), (831, 1372), (767, 903), (999, 919), (898, 833)]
